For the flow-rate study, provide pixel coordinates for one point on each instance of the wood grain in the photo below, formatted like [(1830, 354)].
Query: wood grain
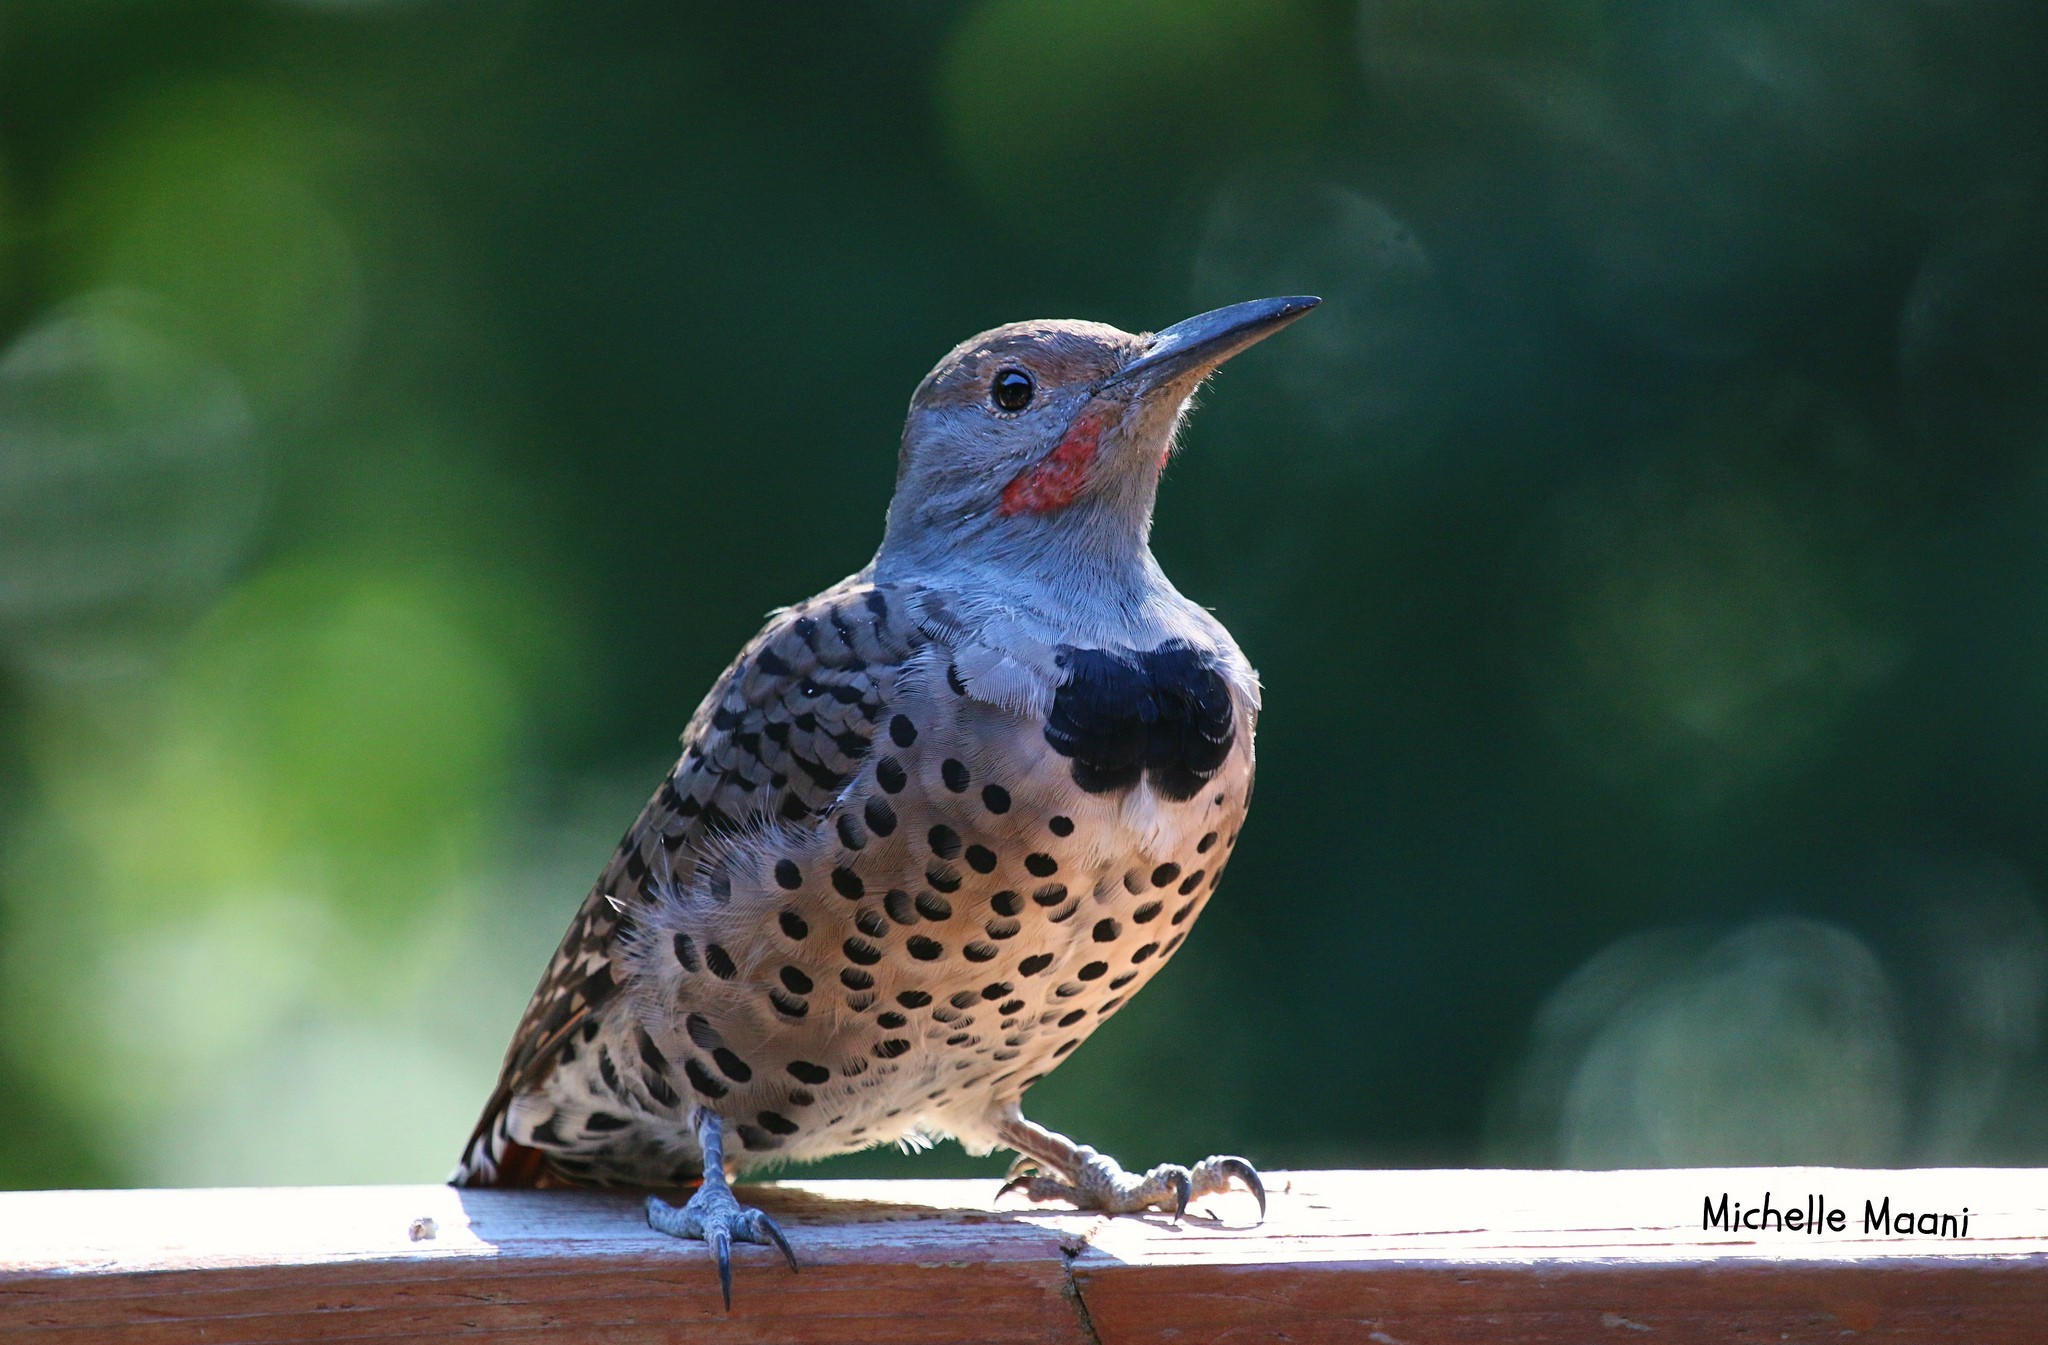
[(1392, 1258)]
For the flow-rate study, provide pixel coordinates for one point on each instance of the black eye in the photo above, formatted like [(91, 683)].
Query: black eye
[(1011, 390)]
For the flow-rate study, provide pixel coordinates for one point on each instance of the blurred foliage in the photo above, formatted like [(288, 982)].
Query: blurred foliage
[(407, 406)]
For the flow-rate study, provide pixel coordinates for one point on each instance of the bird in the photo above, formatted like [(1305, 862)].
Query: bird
[(929, 830)]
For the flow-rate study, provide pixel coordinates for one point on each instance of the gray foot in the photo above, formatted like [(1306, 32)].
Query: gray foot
[(1094, 1181), (713, 1215)]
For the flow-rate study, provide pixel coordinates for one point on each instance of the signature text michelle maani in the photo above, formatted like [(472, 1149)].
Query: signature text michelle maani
[(1815, 1215)]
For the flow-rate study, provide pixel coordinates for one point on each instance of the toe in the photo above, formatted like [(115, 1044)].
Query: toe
[(762, 1229), (721, 1248), (1213, 1176)]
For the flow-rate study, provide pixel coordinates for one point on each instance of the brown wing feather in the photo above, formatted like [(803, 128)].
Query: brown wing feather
[(781, 734)]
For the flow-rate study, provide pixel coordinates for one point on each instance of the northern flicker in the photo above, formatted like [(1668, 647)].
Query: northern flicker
[(930, 829)]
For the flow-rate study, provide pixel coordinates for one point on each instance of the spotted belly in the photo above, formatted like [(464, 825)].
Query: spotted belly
[(951, 930)]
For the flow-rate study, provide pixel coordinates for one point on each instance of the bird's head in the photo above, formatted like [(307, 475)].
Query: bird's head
[(1041, 441)]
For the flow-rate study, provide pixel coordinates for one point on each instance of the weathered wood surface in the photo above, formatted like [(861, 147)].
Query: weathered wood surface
[(1391, 1258)]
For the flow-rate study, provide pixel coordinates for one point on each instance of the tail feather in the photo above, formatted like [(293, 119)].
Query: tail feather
[(494, 1158)]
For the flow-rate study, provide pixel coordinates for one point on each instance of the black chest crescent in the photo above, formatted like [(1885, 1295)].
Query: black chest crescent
[(1161, 715)]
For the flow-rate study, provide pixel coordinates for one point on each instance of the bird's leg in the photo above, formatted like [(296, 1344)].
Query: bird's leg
[(1089, 1180), (713, 1214)]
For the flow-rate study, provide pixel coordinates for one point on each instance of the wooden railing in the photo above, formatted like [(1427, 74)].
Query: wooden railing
[(1382, 1258)]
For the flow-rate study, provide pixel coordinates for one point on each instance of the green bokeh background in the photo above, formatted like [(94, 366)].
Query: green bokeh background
[(407, 406)]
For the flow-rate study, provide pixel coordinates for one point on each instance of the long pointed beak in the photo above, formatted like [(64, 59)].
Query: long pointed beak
[(1206, 340)]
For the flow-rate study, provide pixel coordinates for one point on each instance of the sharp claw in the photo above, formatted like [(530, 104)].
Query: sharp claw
[(1020, 1165), (721, 1247), (1249, 1175), (767, 1225), (1016, 1183), (1183, 1190)]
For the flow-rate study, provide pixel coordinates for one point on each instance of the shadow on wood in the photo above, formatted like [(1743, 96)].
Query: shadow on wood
[(1394, 1258)]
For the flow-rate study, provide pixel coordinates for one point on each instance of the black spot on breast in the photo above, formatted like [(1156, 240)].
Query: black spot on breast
[(853, 978), (890, 1020), (847, 883), (897, 903), (701, 1080), (890, 1047), (1165, 874), (1092, 970), (980, 952), (700, 1030), (881, 818), (923, 949), (871, 923), (944, 877), (1119, 982), (851, 834), (995, 798), (1041, 866), (913, 999), (788, 874), (788, 1003), (753, 1137), (1144, 952), (1068, 1020), (1061, 826), (776, 1122), (1052, 894), (1191, 882), (1006, 903), (686, 952), (1107, 930), (889, 773), (1002, 929), (1162, 715), (1208, 840), (604, 1120), (901, 731), (793, 925), (798, 983), (934, 907), (981, 859), (805, 1072), (1034, 964), (733, 1067), (1146, 913), (719, 961), (954, 773), (944, 841)]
